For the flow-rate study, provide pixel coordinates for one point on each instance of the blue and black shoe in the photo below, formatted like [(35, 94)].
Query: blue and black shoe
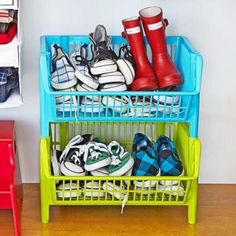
[(168, 159), (145, 160), (170, 165)]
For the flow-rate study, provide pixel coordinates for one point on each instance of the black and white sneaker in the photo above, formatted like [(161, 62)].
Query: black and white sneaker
[(82, 69), (62, 70), (104, 57), (126, 64), (71, 159)]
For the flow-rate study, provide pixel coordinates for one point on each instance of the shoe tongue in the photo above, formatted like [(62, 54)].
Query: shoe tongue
[(115, 150), (59, 52), (100, 34)]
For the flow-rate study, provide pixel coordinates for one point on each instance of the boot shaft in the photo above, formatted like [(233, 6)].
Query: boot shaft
[(154, 26), (134, 35), (144, 75)]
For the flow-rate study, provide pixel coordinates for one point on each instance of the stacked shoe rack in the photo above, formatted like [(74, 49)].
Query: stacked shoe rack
[(120, 121), (10, 54)]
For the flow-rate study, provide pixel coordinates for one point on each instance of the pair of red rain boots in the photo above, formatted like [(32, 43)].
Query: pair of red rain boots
[(164, 73)]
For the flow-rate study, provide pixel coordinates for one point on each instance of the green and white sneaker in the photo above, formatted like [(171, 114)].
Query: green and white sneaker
[(96, 156), (121, 162)]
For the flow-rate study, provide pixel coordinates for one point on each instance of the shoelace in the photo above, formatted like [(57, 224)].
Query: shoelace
[(115, 160), (116, 152), (79, 152), (127, 54), (72, 144), (58, 54), (103, 51), (76, 157), (94, 154), (124, 203), (81, 60)]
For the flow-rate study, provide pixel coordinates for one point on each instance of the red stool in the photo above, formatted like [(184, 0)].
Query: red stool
[(10, 178)]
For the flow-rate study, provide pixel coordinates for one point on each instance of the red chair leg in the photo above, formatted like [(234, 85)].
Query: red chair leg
[(15, 211)]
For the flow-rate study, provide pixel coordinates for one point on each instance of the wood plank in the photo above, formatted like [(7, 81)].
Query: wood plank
[(216, 216)]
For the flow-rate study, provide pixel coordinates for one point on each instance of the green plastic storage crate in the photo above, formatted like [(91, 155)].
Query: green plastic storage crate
[(126, 192)]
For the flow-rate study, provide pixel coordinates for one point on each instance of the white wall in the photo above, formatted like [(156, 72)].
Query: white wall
[(210, 26)]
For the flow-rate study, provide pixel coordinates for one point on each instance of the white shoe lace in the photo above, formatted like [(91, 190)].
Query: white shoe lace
[(72, 144), (116, 158), (93, 151), (76, 158)]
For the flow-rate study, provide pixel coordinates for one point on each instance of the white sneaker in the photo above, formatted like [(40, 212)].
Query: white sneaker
[(71, 159), (117, 104), (104, 57), (121, 162), (92, 189), (100, 172), (91, 106), (103, 67), (68, 191), (116, 87), (62, 70), (96, 156), (81, 65)]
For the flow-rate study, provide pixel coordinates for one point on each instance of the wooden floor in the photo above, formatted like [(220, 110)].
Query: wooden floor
[(216, 216)]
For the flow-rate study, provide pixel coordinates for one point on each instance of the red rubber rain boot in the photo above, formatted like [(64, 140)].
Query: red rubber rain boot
[(154, 26), (145, 78)]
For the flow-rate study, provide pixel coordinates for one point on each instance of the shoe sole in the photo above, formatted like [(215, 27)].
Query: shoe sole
[(168, 100), (121, 87), (98, 165), (93, 191), (91, 106), (64, 98), (103, 67), (64, 85), (68, 191), (67, 172), (87, 80), (124, 168), (85, 88), (147, 183), (169, 109), (116, 103), (114, 77), (173, 189), (127, 70), (99, 172)]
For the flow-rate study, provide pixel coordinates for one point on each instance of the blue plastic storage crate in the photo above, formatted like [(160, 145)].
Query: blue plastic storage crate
[(123, 106)]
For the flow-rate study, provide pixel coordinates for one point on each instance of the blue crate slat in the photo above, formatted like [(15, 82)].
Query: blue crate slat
[(161, 107)]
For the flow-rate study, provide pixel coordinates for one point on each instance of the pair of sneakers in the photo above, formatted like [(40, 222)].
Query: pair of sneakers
[(83, 155), (69, 162), (112, 160), (105, 71), (160, 159), (113, 73)]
